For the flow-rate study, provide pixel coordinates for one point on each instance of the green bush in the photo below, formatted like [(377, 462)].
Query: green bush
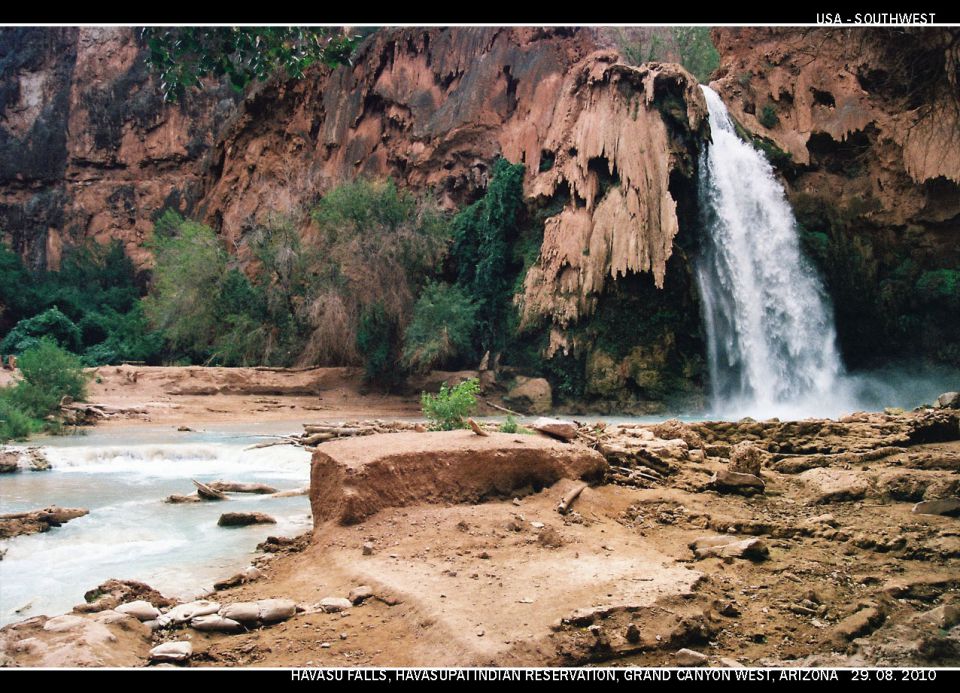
[(448, 409), (768, 116), (50, 324), (441, 329), (376, 341), (48, 373), (14, 424), (510, 425)]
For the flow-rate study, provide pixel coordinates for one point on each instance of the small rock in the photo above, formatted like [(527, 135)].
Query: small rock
[(949, 400), (215, 623), (690, 658), (368, 548), (140, 610), (334, 604), (834, 485), (550, 538), (730, 547), (172, 652), (747, 458), (944, 506), (728, 663), (856, 625), (737, 482), (187, 612), (359, 594), (245, 519), (944, 617), (249, 574), (555, 428)]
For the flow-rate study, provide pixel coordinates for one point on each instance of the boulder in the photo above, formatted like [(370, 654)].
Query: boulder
[(533, 395), (353, 478), (737, 482), (944, 617), (834, 485), (555, 428), (949, 400), (246, 575), (944, 506), (858, 624), (245, 519), (172, 652), (9, 461), (140, 610), (747, 458), (112, 593)]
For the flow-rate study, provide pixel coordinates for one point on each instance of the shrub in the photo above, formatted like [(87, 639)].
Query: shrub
[(51, 324), (14, 424), (376, 340), (768, 116), (510, 425), (441, 328), (48, 373), (447, 409)]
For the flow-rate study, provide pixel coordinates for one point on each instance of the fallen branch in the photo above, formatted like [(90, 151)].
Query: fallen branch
[(564, 506), (476, 428), (503, 409)]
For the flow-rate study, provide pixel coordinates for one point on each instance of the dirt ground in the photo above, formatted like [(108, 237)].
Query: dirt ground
[(207, 395), (845, 573)]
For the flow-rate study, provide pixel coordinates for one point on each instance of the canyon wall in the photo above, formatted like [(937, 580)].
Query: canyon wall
[(91, 151)]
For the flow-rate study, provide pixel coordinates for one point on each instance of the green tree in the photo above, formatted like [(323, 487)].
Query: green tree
[(182, 56), (51, 324), (442, 327), (189, 268), (483, 234)]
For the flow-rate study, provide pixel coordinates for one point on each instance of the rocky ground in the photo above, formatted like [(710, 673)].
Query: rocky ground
[(722, 544)]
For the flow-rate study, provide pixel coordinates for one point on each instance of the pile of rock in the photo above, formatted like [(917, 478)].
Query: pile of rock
[(20, 459), (33, 521)]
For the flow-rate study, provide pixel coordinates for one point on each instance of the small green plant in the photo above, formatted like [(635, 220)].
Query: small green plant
[(768, 116), (510, 425), (447, 410)]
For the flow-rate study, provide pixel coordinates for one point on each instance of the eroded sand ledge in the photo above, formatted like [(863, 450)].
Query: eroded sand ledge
[(353, 479)]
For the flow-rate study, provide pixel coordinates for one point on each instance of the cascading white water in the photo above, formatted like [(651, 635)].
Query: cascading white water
[(770, 333)]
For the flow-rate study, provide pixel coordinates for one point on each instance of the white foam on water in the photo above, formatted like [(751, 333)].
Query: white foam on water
[(130, 533)]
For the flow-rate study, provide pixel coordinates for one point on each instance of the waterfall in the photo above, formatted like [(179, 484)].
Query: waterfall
[(771, 342)]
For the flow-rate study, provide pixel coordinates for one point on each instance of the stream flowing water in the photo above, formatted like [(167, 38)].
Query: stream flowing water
[(122, 476)]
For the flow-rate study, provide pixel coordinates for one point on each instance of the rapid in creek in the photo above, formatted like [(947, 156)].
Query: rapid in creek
[(122, 476)]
